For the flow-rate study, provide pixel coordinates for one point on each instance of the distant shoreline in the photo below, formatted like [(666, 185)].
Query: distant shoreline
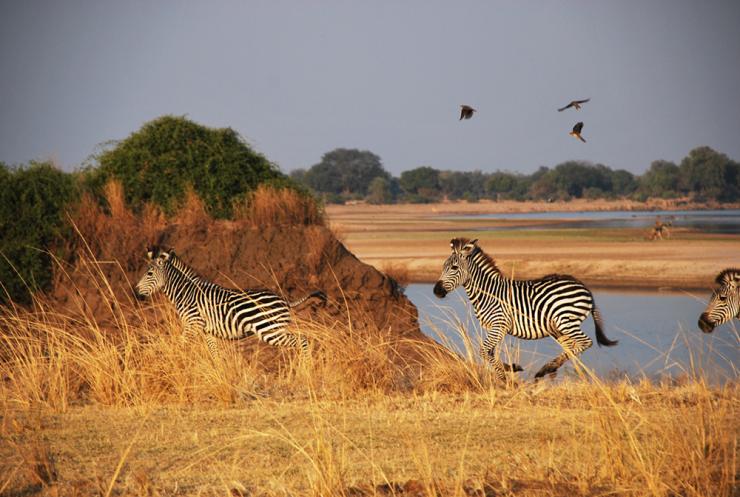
[(410, 242), (513, 206)]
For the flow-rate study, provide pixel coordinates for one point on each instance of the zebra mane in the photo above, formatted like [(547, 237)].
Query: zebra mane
[(181, 266), (726, 274), (485, 259)]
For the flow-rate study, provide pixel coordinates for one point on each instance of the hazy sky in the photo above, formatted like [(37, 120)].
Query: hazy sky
[(298, 79)]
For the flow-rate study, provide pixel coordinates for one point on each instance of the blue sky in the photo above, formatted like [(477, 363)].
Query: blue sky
[(298, 79)]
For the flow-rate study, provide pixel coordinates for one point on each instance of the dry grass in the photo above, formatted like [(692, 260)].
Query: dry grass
[(129, 409), (269, 206)]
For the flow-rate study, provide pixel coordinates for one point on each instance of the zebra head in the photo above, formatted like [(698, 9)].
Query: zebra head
[(455, 269), (725, 301), (155, 277)]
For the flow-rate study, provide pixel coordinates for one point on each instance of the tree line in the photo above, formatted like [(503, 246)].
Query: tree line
[(350, 174)]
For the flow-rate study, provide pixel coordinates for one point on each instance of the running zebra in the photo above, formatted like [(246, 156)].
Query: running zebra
[(725, 302), (554, 305), (216, 311)]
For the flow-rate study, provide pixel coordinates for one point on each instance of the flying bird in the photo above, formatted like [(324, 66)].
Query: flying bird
[(466, 112), (574, 103), (576, 133)]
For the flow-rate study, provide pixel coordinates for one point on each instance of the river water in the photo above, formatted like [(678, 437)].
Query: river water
[(710, 221), (657, 332)]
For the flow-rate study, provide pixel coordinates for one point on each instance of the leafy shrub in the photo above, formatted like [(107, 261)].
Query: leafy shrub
[(33, 226), (169, 155)]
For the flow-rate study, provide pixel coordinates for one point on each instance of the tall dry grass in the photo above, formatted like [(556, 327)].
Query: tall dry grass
[(379, 415), (270, 206)]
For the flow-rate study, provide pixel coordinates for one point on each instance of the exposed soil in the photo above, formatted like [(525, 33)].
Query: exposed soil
[(289, 260)]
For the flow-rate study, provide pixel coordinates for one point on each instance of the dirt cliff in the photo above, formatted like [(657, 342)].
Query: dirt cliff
[(291, 260)]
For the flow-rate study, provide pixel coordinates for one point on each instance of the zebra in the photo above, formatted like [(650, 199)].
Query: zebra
[(554, 305), (725, 302), (216, 311)]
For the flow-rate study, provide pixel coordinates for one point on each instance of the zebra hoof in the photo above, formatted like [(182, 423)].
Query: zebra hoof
[(546, 370)]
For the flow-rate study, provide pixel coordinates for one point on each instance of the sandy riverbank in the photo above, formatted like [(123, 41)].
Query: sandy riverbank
[(415, 239)]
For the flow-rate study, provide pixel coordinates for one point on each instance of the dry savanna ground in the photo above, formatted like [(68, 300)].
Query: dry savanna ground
[(412, 241), (137, 411), (127, 408)]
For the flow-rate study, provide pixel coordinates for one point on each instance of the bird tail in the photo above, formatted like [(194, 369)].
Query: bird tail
[(582, 138)]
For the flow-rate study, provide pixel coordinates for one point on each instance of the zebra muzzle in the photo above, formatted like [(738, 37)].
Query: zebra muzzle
[(139, 296), (705, 325), (439, 290)]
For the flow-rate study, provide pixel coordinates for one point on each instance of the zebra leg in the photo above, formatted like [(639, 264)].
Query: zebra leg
[(493, 338), (284, 338), (574, 342), (212, 346)]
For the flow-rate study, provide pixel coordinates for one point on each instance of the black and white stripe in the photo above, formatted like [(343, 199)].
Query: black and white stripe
[(554, 305), (205, 307)]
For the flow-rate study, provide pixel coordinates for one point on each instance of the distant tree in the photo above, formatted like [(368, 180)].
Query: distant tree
[(33, 225), (345, 171), (571, 178), (660, 180), (623, 182), (420, 178), (166, 156), (503, 185), (710, 174), (298, 175), (379, 191)]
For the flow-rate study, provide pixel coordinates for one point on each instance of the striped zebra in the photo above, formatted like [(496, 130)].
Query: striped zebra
[(218, 312), (725, 302), (554, 305)]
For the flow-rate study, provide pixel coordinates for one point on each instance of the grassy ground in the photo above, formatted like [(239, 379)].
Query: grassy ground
[(569, 439), (135, 411), (414, 239)]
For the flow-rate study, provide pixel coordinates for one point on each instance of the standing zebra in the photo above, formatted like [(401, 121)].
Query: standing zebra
[(554, 305), (725, 302), (216, 311)]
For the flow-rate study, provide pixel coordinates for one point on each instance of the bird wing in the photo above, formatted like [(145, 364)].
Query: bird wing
[(566, 107), (582, 101), (578, 127)]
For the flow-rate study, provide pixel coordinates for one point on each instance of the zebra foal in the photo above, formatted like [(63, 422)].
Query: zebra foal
[(554, 305), (725, 302), (216, 311)]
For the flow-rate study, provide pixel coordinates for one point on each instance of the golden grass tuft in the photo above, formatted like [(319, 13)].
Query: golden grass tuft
[(270, 206)]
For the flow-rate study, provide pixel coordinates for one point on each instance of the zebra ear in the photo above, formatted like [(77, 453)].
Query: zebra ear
[(149, 252), (469, 247), (166, 255)]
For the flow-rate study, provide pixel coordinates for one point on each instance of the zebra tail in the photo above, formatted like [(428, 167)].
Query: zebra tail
[(601, 338), (318, 295)]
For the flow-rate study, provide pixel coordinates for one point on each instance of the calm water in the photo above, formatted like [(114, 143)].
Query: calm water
[(711, 221), (657, 332)]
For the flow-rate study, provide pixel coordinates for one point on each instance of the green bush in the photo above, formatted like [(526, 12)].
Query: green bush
[(33, 205), (160, 161)]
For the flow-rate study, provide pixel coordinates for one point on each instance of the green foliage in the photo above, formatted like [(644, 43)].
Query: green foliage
[(710, 174), (160, 161), (379, 191), (33, 205), (344, 171), (421, 185), (662, 178)]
